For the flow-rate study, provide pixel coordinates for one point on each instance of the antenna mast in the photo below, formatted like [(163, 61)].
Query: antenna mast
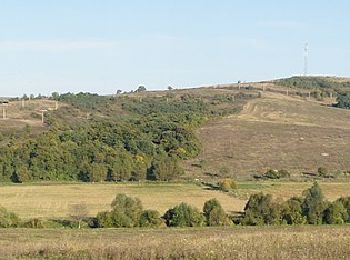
[(306, 56)]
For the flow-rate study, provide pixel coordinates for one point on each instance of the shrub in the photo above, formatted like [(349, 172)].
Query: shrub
[(33, 223), (8, 219), (261, 210), (183, 215), (150, 218), (346, 204), (292, 211), (335, 213), (276, 174), (214, 213), (322, 172), (126, 212), (228, 184)]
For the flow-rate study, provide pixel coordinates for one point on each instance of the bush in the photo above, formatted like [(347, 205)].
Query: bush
[(292, 211), (276, 174), (261, 210), (322, 172), (214, 213), (8, 219), (126, 212), (228, 184), (183, 215), (33, 223), (335, 213), (150, 218)]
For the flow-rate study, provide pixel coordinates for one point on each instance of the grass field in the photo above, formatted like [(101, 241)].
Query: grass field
[(53, 200), (319, 242), (276, 132)]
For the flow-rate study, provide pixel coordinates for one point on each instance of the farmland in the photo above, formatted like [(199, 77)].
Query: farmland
[(306, 242), (52, 200)]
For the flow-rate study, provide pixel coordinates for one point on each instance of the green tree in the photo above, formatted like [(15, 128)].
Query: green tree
[(313, 205), (126, 212), (183, 215), (292, 212), (214, 213), (260, 209), (346, 204), (335, 213), (150, 218)]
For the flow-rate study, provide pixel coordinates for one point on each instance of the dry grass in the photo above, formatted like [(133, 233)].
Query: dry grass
[(53, 201), (277, 132), (324, 242)]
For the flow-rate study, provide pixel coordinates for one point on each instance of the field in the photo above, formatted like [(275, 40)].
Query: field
[(326, 242), (277, 132), (53, 200)]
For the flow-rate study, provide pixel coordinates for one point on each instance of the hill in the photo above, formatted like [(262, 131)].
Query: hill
[(225, 130), (278, 132)]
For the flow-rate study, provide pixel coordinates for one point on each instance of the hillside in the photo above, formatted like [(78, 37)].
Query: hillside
[(278, 132), (226, 130)]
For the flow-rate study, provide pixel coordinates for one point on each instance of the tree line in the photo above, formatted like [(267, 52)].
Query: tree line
[(261, 209)]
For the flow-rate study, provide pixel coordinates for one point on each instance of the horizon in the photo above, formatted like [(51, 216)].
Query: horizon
[(102, 47)]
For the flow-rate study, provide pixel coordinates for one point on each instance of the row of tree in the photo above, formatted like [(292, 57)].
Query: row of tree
[(260, 210)]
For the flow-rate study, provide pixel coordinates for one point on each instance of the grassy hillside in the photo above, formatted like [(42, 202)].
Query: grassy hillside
[(277, 132)]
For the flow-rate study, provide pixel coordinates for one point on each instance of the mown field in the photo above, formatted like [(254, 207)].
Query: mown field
[(307, 242), (50, 200)]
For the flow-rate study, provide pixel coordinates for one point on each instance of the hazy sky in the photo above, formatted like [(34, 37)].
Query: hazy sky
[(101, 46)]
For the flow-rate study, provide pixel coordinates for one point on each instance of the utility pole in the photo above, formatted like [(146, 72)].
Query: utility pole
[(4, 110), (42, 115)]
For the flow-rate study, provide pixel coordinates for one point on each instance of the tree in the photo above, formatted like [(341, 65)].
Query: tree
[(335, 213), (183, 215), (126, 212), (55, 95), (346, 204), (150, 218), (141, 89), (313, 205), (165, 168), (78, 212), (260, 210), (214, 213), (292, 211)]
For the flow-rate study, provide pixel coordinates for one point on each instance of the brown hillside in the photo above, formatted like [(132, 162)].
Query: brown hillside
[(276, 132)]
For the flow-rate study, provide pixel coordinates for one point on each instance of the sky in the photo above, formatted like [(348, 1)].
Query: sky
[(105, 45)]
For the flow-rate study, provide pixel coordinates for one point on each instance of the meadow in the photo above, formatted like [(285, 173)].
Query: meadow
[(316, 242), (52, 200)]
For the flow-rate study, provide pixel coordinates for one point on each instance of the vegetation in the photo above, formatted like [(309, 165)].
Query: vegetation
[(122, 139)]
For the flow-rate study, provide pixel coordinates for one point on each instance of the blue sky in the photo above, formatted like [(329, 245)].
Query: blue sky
[(101, 46)]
